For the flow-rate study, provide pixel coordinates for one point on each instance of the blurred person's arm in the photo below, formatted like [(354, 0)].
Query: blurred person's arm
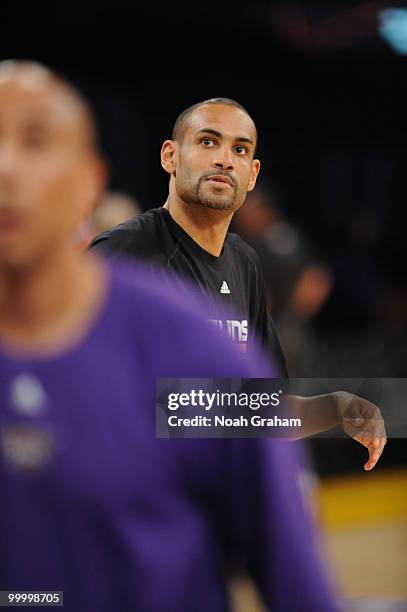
[(267, 527), (311, 291)]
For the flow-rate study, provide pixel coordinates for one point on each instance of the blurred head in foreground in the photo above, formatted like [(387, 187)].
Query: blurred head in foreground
[(50, 172)]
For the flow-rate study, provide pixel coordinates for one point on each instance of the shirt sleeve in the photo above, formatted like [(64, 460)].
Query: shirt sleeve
[(113, 244)]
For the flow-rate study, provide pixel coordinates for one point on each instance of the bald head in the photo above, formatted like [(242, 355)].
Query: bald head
[(63, 100), (183, 120), (51, 175)]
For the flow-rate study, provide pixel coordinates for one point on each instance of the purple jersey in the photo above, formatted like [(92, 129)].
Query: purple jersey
[(94, 505)]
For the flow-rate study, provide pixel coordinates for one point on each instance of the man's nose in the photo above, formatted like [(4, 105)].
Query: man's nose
[(8, 161), (223, 160), (8, 157)]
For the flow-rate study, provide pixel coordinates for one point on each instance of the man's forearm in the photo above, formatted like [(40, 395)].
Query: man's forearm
[(317, 413)]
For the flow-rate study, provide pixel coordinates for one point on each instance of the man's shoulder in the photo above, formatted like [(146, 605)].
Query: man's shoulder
[(139, 235)]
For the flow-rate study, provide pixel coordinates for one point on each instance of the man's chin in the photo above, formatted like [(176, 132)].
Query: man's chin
[(216, 204)]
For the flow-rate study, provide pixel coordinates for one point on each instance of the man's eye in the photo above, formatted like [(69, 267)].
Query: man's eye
[(35, 137), (240, 149), (35, 142), (208, 142)]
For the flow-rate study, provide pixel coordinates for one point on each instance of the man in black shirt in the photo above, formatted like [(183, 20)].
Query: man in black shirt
[(210, 175), (211, 163), (232, 282)]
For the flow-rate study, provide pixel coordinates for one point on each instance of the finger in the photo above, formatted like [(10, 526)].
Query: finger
[(378, 428), (382, 444), (375, 451), (367, 438), (371, 462)]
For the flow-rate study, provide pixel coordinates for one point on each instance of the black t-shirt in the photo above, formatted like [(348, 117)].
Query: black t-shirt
[(230, 283)]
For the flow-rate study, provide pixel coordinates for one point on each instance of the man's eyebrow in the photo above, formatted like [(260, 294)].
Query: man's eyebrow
[(245, 139), (219, 134), (210, 131), (35, 124)]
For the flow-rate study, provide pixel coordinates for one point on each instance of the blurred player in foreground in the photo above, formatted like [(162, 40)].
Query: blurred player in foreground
[(212, 165), (92, 503)]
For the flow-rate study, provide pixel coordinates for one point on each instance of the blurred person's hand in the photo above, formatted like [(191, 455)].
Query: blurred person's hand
[(362, 421), (311, 291)]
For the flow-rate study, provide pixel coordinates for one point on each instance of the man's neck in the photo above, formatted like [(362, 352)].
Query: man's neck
[(51, 304), (206, 226)]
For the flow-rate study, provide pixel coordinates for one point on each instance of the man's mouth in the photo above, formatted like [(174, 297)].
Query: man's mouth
[(220, 178)]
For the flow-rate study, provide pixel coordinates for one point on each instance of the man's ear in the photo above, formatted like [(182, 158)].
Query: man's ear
[(254, 174), (169, 156)]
